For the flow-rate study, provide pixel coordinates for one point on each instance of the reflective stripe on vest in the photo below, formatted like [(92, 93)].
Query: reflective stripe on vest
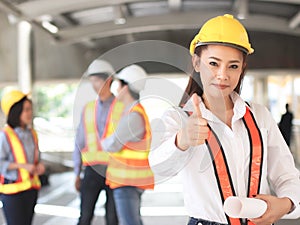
[(92, 153), (130, 166), (221, 168), (24, 181)]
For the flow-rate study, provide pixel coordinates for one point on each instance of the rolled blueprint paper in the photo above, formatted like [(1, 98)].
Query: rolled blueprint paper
[(241, 207)]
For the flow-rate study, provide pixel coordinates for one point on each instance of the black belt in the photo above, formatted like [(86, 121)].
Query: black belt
[(203, 222)]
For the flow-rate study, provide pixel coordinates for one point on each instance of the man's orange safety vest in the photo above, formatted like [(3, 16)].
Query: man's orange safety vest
[(221, 168), (130, 166), (92, 153), (25, 180)]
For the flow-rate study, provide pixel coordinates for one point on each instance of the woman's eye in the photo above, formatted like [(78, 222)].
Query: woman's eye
[(234, 66), (213, 64)]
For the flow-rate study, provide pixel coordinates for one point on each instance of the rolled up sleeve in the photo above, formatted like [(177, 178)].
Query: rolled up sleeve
[(4, 154)]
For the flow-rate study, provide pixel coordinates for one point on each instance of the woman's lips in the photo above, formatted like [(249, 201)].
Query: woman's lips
[(220, 86)]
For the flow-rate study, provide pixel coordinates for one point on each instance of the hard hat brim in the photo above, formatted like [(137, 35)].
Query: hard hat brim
[(226, 44), (101, 75)]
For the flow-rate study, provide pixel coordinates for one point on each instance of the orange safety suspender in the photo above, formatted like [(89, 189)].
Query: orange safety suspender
[(222, 170)]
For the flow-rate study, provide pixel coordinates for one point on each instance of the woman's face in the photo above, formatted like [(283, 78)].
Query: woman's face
[(26, 115), (220, 69)]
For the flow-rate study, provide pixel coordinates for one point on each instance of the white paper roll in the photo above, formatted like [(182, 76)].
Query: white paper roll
[(239, 207)]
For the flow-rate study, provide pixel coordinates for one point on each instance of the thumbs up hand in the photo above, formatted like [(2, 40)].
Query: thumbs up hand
[(195, 131)]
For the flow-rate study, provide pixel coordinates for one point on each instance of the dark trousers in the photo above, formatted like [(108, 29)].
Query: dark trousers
[(19, 208), (92, 184)]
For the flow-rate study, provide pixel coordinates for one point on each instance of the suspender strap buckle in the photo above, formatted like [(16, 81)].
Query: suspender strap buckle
[(244, 221)]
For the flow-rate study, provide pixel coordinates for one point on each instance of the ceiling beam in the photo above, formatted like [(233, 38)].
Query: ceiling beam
[(295, 21), (33, 9), (175, 5), (296, 2), (11, 9), (172, 21)]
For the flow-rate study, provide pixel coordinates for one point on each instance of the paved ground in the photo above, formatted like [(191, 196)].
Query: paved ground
[(59, 204)]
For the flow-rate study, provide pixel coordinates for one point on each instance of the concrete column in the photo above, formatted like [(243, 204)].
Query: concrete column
[(265, 92), (261, 91), (294, 97), (25, 56)]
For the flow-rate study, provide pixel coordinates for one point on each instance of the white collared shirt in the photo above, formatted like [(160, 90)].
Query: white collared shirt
[(200, 189)]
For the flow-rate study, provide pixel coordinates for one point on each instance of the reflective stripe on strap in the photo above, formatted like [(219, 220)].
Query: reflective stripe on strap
[(256, 151)]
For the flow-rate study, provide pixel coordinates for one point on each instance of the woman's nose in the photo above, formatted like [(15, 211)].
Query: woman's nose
[(222, 73)]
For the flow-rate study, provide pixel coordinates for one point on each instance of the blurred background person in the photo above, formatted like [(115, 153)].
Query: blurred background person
[(20, 164), (285, 124), (87, 151), (128, 172)]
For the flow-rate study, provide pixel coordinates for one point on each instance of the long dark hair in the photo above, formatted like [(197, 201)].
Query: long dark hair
[(13, 118), (195, 84)]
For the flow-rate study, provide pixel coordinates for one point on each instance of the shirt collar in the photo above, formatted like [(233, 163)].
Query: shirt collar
[(239, 108), (21, 130), (107, 101)]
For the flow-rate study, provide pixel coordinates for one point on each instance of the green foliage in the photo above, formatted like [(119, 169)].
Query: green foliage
[(55, 100)]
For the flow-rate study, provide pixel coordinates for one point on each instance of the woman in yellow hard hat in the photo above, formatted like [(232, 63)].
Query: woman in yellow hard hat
[(20, 164), (224, 147)]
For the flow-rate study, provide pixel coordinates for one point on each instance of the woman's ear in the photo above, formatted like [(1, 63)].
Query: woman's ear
[(124, 89), (196, 62), (244, 65)]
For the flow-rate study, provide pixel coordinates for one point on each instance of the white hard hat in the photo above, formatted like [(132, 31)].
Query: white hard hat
[(100, 67), (135, 76)]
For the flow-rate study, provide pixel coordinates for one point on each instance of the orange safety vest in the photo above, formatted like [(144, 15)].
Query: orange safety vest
[(130, 166), (221, 168), (25, 180), (92, 153)]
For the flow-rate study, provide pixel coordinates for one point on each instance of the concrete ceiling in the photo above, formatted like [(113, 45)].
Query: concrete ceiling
[(101, 25), (80, 21)]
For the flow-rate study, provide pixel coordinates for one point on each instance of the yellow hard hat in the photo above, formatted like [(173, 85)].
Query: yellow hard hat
[(9, 99), (225, 30)]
